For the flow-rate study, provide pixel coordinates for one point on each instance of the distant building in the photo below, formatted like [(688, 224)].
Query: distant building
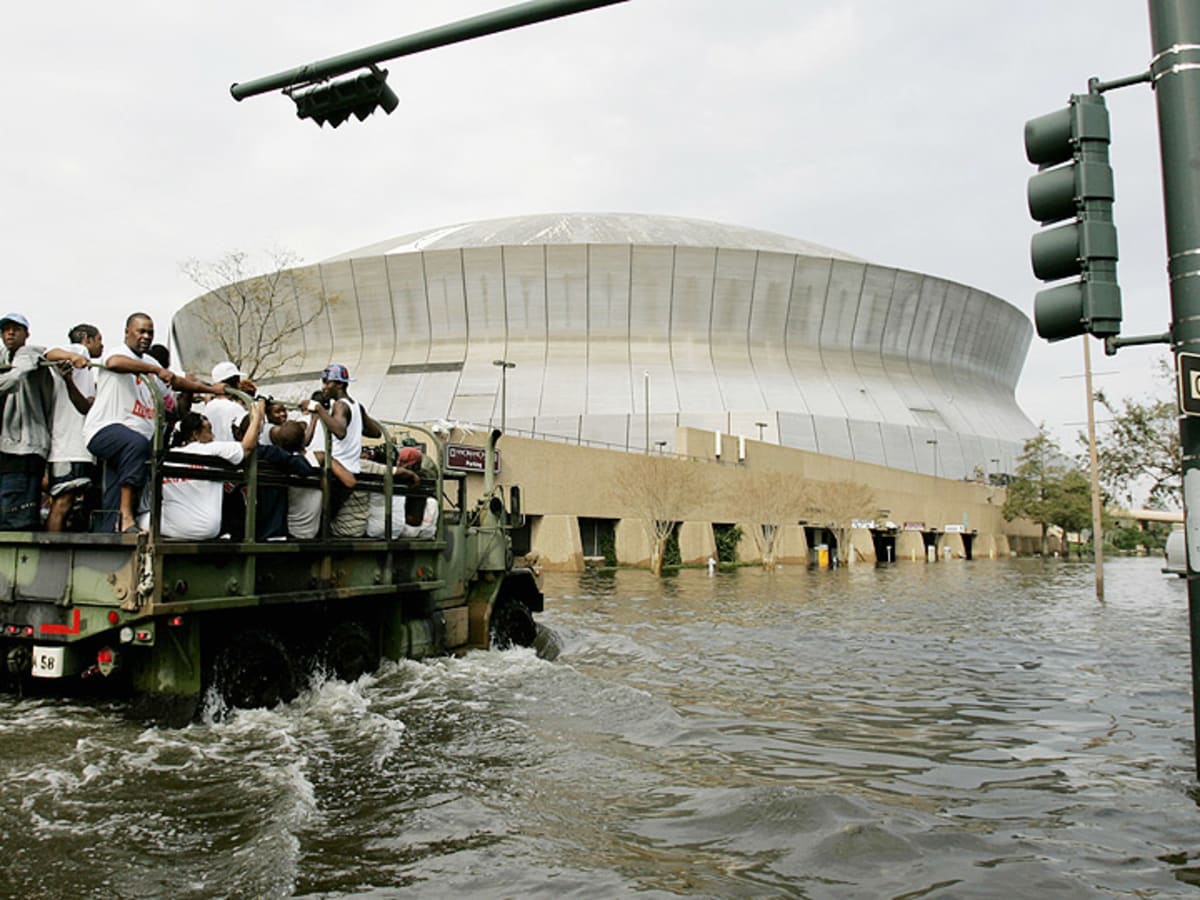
[(625, 327)]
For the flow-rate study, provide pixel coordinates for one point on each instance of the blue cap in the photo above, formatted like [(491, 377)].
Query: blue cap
[(336, 372), (15, 317)]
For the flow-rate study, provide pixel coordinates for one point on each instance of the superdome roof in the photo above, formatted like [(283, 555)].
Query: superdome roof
[(594, 228)]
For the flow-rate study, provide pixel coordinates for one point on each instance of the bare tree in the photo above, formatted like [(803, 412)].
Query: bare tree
[(255, 319), (836, 504), (772, 501), (658, 491)]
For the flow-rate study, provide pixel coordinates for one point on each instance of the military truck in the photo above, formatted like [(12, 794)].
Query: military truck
[(171, 622)]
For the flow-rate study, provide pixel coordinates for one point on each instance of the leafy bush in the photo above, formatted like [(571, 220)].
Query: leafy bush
[(671, 554), (727, 538)]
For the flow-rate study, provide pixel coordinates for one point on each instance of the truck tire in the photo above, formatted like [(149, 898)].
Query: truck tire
[(349, 652), (511, 625), (254, 671)]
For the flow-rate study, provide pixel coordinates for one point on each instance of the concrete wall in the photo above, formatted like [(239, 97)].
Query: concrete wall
[(561, 482)]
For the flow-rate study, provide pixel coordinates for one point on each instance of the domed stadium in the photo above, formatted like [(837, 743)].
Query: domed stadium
[(620, 328)]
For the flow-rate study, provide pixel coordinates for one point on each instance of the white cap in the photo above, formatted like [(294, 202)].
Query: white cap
[(224, 370)]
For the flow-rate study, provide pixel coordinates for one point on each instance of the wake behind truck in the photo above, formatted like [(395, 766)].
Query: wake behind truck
[(169, 623)]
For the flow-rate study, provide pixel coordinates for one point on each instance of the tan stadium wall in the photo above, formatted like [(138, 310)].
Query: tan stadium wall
[(561, 482)]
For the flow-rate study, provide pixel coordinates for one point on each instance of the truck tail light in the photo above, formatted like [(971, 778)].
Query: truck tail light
[(106, 660)]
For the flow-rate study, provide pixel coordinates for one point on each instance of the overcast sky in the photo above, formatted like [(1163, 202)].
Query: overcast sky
[(892, 131)]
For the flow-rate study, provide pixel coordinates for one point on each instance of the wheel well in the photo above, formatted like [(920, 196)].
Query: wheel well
[(521, 585)]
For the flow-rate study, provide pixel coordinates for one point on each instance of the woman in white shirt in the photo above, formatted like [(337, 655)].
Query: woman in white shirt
[(191, 508)]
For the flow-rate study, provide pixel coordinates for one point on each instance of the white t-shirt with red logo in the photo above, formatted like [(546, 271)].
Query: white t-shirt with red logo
[(122, 398), (191, 509), (66, 430)]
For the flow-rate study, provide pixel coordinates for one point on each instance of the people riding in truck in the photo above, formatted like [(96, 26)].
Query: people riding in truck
[(27, 389), (72, 469), (347, 423), (120, 425), (191, 507)]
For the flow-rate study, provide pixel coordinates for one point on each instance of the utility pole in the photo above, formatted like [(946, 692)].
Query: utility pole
[(504, 365), (1175, 74), (1094, 461), (646, 380)]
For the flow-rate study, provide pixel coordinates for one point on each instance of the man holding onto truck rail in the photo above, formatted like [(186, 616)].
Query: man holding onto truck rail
[(27, 393), (347, 423), (72, 469), (225, 412), (120, 425)]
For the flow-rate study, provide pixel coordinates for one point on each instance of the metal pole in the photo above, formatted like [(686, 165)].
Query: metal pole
[(646, 379), (504, 365), (1097, 522), (463, 30), (1175, 67)]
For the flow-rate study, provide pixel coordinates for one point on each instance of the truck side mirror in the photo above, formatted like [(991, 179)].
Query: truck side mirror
[(516, 518)]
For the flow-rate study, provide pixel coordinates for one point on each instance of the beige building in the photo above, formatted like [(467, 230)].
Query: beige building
[(574, 503)]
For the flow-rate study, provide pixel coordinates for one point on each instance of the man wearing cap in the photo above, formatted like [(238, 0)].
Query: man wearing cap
[(223, 412), (120, 425), (346, 422), (28, 397)]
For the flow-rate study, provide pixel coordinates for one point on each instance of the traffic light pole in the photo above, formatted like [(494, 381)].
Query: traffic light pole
[(528, 13), (1175, 71)]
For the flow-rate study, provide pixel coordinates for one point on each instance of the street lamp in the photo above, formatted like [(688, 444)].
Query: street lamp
[(646, 380), (934, 442), (996, 463), (760, 426), (504, 365)]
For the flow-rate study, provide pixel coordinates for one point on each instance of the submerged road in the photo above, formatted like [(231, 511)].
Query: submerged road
[(961, 729)]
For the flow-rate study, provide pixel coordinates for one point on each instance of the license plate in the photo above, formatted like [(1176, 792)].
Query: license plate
[(48, 662)]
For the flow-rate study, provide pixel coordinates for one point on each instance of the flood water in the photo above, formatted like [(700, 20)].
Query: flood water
[(959, 729)]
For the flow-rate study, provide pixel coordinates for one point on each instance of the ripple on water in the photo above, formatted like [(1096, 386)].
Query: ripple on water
[(961, 730)]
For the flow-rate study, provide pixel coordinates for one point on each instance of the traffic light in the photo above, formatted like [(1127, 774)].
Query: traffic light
[(334, 102), (1075, 181)]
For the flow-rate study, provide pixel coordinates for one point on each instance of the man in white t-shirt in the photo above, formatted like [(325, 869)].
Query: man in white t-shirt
[(224, 412), (72, 470), (120, 425), (191, 508)]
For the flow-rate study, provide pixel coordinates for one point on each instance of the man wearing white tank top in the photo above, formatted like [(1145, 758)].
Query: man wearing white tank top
[(345, 420)]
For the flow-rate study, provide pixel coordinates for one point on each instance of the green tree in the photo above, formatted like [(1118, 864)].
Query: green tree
[(1138, 448), (1048, 489), (727, 538), (1071, 497)]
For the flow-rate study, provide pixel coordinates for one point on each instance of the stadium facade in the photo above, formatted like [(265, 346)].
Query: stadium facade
[(625, 327)]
